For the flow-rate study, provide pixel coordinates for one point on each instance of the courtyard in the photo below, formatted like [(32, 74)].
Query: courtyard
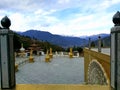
[(61, 70)]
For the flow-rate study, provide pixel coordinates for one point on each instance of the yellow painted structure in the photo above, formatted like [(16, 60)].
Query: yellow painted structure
[(103, 59), (51, 55), (71, 53), (16, 67), (60, 87), (47, 57), (31, 59)]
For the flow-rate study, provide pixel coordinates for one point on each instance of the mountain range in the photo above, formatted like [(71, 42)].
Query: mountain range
[(63, 41), (95, 37)]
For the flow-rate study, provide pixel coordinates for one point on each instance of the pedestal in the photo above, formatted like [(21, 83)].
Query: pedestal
[(51, 55), (31, 59), (47, 58), (71, 55)]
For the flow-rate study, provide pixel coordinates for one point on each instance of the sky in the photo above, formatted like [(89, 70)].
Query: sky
[(63, 17)]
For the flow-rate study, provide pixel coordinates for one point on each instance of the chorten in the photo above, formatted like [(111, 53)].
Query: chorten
[(22, 49)]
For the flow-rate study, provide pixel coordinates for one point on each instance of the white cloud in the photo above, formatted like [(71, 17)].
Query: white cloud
[(41, 14), (87, 25), (19, 22), (63, 1)]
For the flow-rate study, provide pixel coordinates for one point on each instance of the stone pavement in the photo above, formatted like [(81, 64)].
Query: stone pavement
[(61, 70), (21, 60), (103, 50)]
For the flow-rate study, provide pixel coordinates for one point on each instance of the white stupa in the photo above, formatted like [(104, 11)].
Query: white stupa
[(22, 49)]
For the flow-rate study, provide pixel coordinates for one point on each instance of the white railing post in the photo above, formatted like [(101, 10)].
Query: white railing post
[(99, 44)]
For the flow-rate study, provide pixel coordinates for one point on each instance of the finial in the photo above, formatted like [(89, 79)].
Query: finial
[(116, 19), (5, 22)]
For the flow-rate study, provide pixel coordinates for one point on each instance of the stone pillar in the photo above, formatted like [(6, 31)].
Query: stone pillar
[(89, 43), (99, 44), (104, 44), (115, 53), (7, 65)]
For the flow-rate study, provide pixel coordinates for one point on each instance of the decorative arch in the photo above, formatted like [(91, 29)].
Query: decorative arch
[(97, 74)]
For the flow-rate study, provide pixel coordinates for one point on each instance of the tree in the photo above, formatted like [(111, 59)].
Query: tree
[(92, 44), (80, 50)]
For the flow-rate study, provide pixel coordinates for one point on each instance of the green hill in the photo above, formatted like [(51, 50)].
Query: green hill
[(27, 41)]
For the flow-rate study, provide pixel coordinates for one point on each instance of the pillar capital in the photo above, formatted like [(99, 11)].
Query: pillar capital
[(115, 29)]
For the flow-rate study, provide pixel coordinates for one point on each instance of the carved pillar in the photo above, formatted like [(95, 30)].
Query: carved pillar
[(115, 52), (7, 60), (99, 44), (89, 43)]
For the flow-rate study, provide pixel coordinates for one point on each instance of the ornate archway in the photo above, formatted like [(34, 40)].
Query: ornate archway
[(97, 74)]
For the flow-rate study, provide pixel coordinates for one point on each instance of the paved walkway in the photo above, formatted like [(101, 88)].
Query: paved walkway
[(61, 70)]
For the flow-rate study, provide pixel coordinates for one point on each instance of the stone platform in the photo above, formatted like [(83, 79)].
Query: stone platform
[(61, 70)]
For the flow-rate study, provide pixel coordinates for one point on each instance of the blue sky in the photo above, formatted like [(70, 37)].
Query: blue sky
[(64, 17)]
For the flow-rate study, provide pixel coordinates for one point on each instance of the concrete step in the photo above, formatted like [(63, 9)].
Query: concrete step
[(60, 87)]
